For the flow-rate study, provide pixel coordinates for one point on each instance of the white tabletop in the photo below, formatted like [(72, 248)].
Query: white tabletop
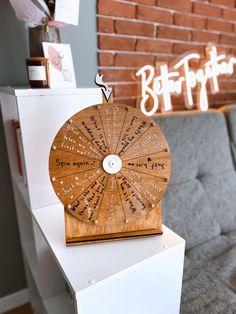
[(89, 266), (26, 91)]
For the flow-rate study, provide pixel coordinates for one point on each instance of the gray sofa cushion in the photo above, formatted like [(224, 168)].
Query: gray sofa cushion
[(232, 235), (195, 205), (230, 113), (218, 258), (221, 192), (204, 294), (223, 267), (187, 211), (211, 249)]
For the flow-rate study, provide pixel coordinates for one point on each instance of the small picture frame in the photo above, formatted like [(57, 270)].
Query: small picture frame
[(61, 68)]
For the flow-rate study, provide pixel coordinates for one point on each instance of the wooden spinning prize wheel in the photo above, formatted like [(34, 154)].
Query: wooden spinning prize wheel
[(110, 165)]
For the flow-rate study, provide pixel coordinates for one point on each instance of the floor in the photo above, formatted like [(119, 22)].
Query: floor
[(24, 309)]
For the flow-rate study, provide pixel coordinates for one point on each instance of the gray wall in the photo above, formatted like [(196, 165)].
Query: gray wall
[(83, 40), (13, 50), (14, 45)]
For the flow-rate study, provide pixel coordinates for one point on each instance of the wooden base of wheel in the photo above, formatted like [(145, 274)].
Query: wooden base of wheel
[(78, 232)]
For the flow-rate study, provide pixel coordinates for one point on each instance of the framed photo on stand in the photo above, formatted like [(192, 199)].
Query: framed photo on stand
[(61, 68)]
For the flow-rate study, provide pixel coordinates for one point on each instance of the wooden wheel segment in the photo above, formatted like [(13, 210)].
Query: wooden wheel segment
[(110, 165)]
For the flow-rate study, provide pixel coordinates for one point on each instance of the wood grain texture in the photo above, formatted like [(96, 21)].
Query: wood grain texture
[(99, 204), (77, 232)]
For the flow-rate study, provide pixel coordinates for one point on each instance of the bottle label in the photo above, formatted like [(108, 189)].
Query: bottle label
[(37, 73)]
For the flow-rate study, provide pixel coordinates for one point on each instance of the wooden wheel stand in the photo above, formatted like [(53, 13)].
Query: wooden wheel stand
[(110, 165)]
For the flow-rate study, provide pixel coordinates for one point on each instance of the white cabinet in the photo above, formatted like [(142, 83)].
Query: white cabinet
[(136, 276)]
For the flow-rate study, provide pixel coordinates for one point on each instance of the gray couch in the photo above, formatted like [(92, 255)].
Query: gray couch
[(200, 205)]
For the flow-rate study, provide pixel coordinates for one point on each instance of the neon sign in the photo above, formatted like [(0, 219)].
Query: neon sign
[(182, 80)]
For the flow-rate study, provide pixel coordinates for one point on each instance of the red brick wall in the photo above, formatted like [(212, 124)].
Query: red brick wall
[(138, 32)]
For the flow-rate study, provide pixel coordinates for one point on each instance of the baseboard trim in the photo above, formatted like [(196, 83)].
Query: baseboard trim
[(14, 300)]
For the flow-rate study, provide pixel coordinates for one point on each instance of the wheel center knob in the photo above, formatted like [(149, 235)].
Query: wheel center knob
[(112, 164)]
